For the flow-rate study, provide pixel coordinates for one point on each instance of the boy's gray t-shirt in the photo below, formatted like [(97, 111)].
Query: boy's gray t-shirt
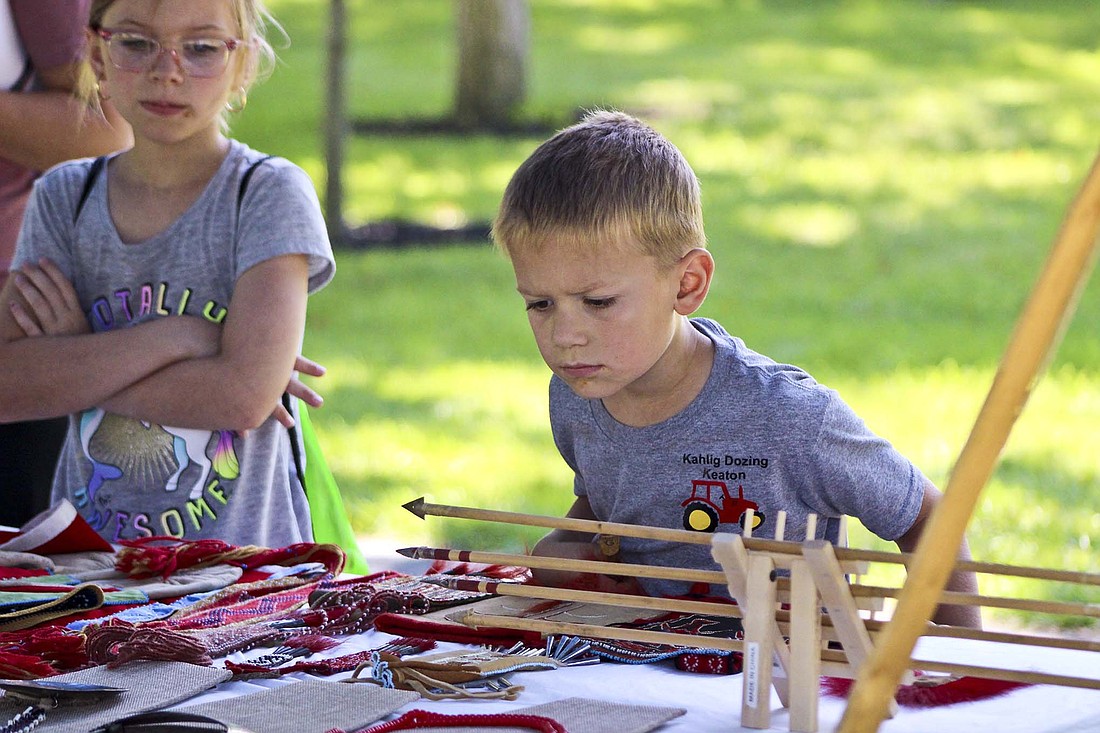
[(760, 431), (129, 478)]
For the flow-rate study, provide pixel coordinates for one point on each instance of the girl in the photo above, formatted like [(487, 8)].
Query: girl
[(160, 300)]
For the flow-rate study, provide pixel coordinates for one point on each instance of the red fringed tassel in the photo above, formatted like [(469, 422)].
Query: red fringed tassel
[(142, 559), (473, 721), (62, 650), (314, 642), (24, 667), (961, 689)]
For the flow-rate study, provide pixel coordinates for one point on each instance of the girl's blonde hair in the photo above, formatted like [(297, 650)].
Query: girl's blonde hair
[(253, 22)]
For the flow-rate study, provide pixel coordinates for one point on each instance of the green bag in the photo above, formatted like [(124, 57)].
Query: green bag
[(326, 506)]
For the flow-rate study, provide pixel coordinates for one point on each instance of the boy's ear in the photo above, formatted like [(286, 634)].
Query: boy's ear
[(696, 269)]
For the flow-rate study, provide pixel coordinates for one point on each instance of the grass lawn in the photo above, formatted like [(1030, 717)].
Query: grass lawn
[(882, 182)]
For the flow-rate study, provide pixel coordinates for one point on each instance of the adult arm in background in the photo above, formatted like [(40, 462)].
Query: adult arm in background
[(962, 582), (46, 124), (43, 127)]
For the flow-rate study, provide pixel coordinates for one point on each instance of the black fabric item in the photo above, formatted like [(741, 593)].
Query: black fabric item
[(163, 721), (28, 457)]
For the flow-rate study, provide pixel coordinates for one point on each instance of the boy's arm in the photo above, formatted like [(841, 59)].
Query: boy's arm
[(49, 376), (236, 388), (963, 582), (578, 546)]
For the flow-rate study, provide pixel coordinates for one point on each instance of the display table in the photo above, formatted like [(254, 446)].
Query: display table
[(713, 702), (710, 702)]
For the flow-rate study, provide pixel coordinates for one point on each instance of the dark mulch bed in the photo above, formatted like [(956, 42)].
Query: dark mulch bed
[(451, 126), (393, 233)]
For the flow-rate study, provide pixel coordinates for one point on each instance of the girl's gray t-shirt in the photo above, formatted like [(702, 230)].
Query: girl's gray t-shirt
[(759, 433), (127, 477)]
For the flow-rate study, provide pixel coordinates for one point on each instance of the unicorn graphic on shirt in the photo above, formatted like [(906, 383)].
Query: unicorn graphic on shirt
[(101, 472), (190, 448), (182, 447)]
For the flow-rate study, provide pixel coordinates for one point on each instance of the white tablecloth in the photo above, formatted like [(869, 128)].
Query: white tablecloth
[(713, 703)]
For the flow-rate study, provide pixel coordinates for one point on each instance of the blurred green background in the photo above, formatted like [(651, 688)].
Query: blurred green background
[(882, 182)]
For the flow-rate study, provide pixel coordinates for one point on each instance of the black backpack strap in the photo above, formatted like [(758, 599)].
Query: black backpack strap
[(24, 79), (246, 178), (295, 449), (89, 181)]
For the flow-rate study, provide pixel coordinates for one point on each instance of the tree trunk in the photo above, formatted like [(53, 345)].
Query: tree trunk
[(335, 122), (493, 37)]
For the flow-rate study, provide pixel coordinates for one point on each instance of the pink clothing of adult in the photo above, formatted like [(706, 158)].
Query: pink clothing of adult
[(52, 32)]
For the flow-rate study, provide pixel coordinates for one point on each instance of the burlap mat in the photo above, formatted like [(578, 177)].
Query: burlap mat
[(148, 685), (309, 706), (582, 715)]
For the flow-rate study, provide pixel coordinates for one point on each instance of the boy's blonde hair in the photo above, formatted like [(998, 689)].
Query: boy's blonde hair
[(607, 176), (253, 19)]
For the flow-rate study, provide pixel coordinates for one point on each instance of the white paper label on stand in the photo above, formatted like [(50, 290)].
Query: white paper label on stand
[(752, 673)]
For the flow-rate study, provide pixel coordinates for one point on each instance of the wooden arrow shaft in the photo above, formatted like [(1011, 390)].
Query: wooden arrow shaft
[(1089, 610), (756, 544), (520, 590), (542, 562)]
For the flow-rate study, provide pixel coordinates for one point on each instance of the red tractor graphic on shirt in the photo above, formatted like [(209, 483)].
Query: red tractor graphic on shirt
[(711, 504)]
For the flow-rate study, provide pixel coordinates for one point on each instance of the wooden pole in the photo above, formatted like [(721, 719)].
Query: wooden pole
[(843, 614), (833, 663), (953, 598), (478, 620), (1029, 677), (858, 591), (805, 646), (875, 627), (620, 600), (1033, 342), (1004, 637), (419, 507), (729, 551), (544, 562), (761, 642)]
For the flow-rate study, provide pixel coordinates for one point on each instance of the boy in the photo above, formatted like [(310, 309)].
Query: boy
[(656, 412)]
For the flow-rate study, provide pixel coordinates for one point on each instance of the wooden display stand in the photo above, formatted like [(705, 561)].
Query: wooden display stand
[(793, 598)]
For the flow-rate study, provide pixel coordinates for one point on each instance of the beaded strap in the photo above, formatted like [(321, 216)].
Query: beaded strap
[(25, 721)]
